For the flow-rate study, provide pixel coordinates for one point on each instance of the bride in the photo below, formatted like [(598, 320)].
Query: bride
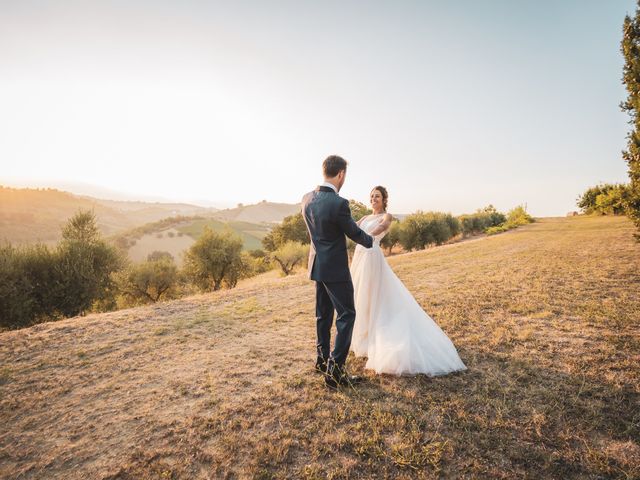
[(391, 329)]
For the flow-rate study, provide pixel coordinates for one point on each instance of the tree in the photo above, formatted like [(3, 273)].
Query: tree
[(85, 263), (289, 255), (17, 305), (293, 228), (149, 281), (359, 210), (392, 238), (256, 262), (214, 259), (420, 229), (630, 47), (82, 228), (481, 220), (605, 199), (159, 255), (613, 202)]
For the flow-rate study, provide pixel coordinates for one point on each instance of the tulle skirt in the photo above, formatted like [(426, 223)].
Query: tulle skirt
[(391, 328)]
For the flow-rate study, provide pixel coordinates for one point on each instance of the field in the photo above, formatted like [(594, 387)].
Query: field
[(169, 240), (546, 318), (250, 233)]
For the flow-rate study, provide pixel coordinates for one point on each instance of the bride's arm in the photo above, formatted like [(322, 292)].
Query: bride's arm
[(360, 221), (383, 225)]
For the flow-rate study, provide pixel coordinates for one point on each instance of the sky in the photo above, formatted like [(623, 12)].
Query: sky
[(452, 105)]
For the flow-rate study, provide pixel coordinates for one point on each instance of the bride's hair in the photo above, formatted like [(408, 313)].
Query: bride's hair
[(384, 193)]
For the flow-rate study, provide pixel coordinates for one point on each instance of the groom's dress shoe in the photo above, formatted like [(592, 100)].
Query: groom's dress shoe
[(337, 375), (321, 365)]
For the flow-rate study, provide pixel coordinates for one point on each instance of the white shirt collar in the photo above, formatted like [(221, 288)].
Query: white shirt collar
[(330, 185)]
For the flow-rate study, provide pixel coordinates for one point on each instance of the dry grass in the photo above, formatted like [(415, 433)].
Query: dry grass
[(547, 318)]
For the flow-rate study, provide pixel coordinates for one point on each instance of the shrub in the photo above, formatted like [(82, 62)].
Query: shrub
[(214, 259), (293, 228), (481, 220), (37, 284), (359, 210), (148, 281), (392, 238), (257, 262), (496, 229), (17, 304), (605, 199), (518, 216), (84, 265), (419, 230), (289, 255), (159, 255)]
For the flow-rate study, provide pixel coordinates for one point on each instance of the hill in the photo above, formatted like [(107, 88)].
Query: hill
[(176, 234), (263, 212), (28, 215), (546, 318)]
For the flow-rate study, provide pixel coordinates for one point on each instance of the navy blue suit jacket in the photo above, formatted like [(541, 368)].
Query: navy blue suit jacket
[(328, 219)]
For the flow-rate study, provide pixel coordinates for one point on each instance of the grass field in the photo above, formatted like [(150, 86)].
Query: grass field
[(546, 318), (250, 233)]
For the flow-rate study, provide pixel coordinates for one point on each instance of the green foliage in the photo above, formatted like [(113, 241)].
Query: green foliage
[(159, 255), (630, 47), (359, 210), (605, 199), (251, 234), (84, 265), (420, 229), (518, 216), (81, 228), (256, 262), (496, 229), (148, 281), (215, 259), (481, 220), (292, 229), (289, 255), (18, 307), (392, 238), (38, 284)]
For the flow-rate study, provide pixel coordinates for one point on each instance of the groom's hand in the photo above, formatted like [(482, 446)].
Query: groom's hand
[(350, 228)]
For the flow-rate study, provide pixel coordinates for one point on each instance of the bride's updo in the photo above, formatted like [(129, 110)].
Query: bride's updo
[(384, 193)]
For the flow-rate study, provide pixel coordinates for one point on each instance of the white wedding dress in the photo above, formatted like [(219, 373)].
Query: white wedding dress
[(391, 328)]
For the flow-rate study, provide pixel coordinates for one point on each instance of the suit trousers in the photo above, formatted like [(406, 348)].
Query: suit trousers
[(336, 296)]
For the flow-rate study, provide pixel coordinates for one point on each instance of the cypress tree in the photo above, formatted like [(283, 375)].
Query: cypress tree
[(630, 47)]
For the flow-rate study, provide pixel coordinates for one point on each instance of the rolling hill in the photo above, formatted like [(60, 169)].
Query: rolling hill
[(220, 385), (263, 212), (29, 215), (176, 234)]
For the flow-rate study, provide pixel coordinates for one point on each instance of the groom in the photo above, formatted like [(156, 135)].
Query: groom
[(328, 220)]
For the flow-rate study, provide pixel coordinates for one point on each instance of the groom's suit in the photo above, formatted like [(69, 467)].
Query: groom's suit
[(328, 219)]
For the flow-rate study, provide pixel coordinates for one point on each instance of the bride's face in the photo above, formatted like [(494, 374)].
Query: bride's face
[(376, 200)]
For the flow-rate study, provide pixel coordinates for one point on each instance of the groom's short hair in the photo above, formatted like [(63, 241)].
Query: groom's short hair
[(333, 165)]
